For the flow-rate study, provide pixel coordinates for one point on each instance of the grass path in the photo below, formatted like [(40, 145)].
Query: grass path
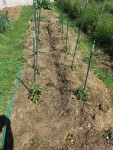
[(11, 45)]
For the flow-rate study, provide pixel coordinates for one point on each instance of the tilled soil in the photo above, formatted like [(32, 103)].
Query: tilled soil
[(46, 125)]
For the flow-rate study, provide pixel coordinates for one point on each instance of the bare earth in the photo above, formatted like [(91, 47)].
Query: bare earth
[(58, 112)]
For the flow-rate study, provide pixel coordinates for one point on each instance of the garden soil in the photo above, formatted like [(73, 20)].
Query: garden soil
[(48, 124)]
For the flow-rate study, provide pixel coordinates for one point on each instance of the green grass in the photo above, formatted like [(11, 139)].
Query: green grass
[(11, 45), (71, 22), (109, 6), (105, 76)]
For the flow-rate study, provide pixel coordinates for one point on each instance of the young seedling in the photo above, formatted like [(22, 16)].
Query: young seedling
[(73, 67), (106, 135), (35, 93), (34, 142), (68, 50), (37, 71), (70, 138), (82, 94)]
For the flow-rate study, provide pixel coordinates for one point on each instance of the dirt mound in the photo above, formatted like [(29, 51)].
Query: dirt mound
[(14, 12), (59, 121)]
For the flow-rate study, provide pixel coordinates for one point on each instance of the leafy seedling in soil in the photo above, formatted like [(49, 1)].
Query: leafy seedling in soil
[(107, 134), (68, 50), (37, 71), (73, 67), (34, 142), (70, 138), (82, 94), (35, 93)]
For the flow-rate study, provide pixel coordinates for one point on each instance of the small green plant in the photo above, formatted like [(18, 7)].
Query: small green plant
[(82, 94), (37, 71), (73, 67), (35, 93), (70, 138), (34, 142), (68, 50), (106, 135)]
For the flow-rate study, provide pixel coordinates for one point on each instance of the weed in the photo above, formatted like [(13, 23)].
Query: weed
[(35, 93), (37, 71), (68, 50), (82, 94), (73, 67), (107, 134), (70, 138), (34, 142)]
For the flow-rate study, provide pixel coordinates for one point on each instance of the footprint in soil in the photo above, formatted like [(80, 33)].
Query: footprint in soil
[(8, 141)]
